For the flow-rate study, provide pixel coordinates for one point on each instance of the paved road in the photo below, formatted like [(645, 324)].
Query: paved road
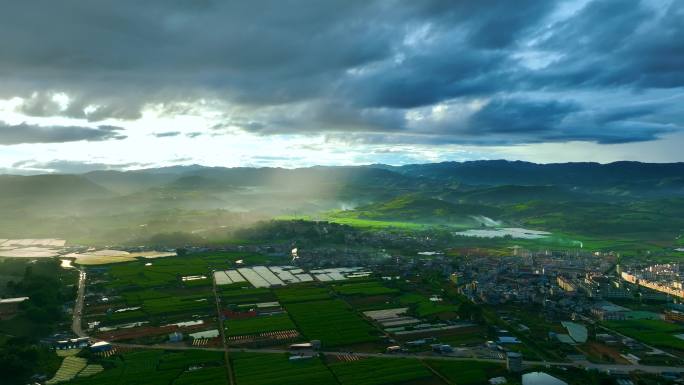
[(78, 306), (222, 332)]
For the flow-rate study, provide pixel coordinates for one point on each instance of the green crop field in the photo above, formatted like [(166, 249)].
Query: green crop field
[(380, 371), (364, 288), (298, 293), (467, 373), (204, 376), (266, 323), (159, 368), (246, 295), (330, 321), (652, 332), (276, 369), (423, 306), (168, 271)]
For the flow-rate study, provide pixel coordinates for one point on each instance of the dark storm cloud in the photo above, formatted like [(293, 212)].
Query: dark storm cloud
[(515, 116), (26, 133), (357, 67), (618, 43)]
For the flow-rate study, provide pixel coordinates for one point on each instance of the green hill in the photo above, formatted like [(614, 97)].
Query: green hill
[(427, 210)]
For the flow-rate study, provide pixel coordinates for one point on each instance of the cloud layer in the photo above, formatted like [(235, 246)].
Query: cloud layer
[(428, 72), (25, 133)]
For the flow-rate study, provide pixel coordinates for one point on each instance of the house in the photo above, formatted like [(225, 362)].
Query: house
[(606, 311), (176, 337), (100, 347)]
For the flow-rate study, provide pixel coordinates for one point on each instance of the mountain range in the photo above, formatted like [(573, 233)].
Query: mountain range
[(565, 196)]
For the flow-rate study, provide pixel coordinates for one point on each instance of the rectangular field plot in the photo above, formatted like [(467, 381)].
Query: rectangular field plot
[(246, 295), (222, 278), (364, 288), (170, 270), (253, 277), (159, 368), (330, 321), (302, 293), (276, 369), (424, 307), (382, 371), (208, 376), (228, 277), (467, 373), (260, 324), (652, 332)]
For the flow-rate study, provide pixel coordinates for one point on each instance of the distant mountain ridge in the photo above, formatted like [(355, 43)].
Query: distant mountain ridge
[(616, 198), (563, 180), (497, 172)]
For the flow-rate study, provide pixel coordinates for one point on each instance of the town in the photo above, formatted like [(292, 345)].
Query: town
[(520, 314)]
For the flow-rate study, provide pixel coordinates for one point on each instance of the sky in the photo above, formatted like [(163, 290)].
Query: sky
[(127, 84)]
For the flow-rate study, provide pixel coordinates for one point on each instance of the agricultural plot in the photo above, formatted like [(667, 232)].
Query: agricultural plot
[(302, 293), (90, 370), (159, 368), (260, 324), (381, 371), (276, 369), (652, 332), (265, 276), (245, 295), (70, 367), (178, 304), (330, 321), (424, 307), (204, 376), (163, 303), (364, 288), (339, 273), (103, 257), (169, 271), (467, 373)]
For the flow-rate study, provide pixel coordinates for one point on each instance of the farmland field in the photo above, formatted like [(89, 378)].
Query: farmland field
[(159, 368), (276, 369), (266, 323), (467, 373), (380, 371), (652, 332), (330, 321), (364, 288), (423, 306), (298, 293), (70, 367), (242, 295)]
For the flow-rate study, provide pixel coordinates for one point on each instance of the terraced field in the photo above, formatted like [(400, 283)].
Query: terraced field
[(70, 367)]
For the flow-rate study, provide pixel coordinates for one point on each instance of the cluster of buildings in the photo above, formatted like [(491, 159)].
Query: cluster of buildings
[(663, 278), (529, 277)]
